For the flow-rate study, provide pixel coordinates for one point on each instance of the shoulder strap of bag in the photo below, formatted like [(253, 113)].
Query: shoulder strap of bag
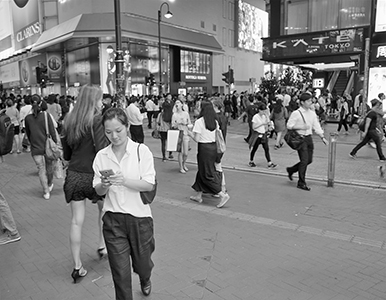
[(302, 116), (46, 121), (139, 162)]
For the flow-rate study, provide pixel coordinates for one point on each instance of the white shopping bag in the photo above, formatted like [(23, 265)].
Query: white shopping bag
[(172, 140)]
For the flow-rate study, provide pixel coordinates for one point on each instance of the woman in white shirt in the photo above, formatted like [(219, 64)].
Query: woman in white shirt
[(180, 121), (260, 124), (208, 179), (127, 221)]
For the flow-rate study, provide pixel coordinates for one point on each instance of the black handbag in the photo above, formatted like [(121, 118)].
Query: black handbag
[(148, 196), (293, 138)]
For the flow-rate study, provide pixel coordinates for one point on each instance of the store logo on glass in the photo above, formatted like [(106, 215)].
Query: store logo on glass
[(21, 3)]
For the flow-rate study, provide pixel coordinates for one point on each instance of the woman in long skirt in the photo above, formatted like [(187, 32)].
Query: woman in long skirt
[(208, 179)]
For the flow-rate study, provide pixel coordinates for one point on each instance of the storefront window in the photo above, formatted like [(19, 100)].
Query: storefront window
[(320, 15), (195, 62)]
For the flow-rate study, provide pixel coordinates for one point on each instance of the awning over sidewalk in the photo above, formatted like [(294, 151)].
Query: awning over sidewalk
[(103, 25)]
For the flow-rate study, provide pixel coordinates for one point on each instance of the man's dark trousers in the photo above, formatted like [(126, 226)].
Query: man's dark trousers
[(305, 153)]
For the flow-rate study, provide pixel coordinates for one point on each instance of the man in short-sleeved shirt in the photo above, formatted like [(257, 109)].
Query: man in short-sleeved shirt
[(371, 131)]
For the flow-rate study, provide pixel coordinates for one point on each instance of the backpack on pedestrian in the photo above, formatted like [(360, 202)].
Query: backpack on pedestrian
[(6, 134)]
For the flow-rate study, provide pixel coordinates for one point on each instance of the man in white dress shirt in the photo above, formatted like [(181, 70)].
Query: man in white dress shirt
[(135, 120)]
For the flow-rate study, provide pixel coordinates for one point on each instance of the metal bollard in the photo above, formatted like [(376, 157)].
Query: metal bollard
[(331, 159)]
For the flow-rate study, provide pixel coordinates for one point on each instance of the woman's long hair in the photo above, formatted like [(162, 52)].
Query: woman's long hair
[(209, 115), (78, 122)]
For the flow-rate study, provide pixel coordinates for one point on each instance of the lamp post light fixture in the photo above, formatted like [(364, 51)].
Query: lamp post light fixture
[(168, 15)]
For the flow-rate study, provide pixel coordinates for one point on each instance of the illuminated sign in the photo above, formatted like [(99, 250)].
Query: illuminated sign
[(252, 26), (378, 53), (309, 44), (195, 77), (318, 83)]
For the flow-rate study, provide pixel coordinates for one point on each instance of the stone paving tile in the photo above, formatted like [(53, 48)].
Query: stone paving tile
[(200, 254)]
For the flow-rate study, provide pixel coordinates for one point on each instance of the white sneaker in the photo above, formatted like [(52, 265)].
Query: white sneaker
[(50, 187), (46, 196), (223, 201)]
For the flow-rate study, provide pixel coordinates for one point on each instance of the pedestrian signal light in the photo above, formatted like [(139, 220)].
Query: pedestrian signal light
[(152, 80)]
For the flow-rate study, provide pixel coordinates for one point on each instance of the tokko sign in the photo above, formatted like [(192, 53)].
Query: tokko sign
[(314, 44)]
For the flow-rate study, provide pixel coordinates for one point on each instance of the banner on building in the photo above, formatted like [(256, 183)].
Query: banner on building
[(55, 67), (27, 69), (26, 25)]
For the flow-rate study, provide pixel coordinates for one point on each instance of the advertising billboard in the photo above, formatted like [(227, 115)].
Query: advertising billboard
[(252, 26), (380, 20), (27, 69), (9, 74), (54, 66), (26, 26), (377, 83)]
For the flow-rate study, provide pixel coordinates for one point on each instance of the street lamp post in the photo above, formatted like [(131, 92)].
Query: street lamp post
[(119, 92), (167, 15)]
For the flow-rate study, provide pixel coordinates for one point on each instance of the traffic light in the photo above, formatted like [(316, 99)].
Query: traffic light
[(147, 80), (231, 77), (226, 77), (41, 76), (152, 80), (38, 75)]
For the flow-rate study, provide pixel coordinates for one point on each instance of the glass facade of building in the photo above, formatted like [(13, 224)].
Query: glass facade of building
[(319, 15)]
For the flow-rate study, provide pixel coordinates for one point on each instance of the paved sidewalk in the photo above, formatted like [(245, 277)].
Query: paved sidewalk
[(201, 252), (362, 171), (274, 243)]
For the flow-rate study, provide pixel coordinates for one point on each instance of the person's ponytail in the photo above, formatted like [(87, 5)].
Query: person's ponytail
[(35, 101)]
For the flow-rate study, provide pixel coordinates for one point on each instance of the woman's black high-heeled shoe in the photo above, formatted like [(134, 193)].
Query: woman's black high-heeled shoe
[(101, 252), (76, 273)]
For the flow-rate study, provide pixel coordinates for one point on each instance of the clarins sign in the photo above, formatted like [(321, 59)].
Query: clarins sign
[(314, 44), (28, 32), (26, 26)]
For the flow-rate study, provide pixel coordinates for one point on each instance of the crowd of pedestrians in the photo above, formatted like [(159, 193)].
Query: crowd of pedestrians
[(107, 160)]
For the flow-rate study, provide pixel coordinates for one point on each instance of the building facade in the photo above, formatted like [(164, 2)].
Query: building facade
[(328, 37), (75, 41)]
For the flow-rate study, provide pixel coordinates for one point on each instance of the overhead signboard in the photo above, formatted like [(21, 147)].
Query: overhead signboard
[(314, 44)]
